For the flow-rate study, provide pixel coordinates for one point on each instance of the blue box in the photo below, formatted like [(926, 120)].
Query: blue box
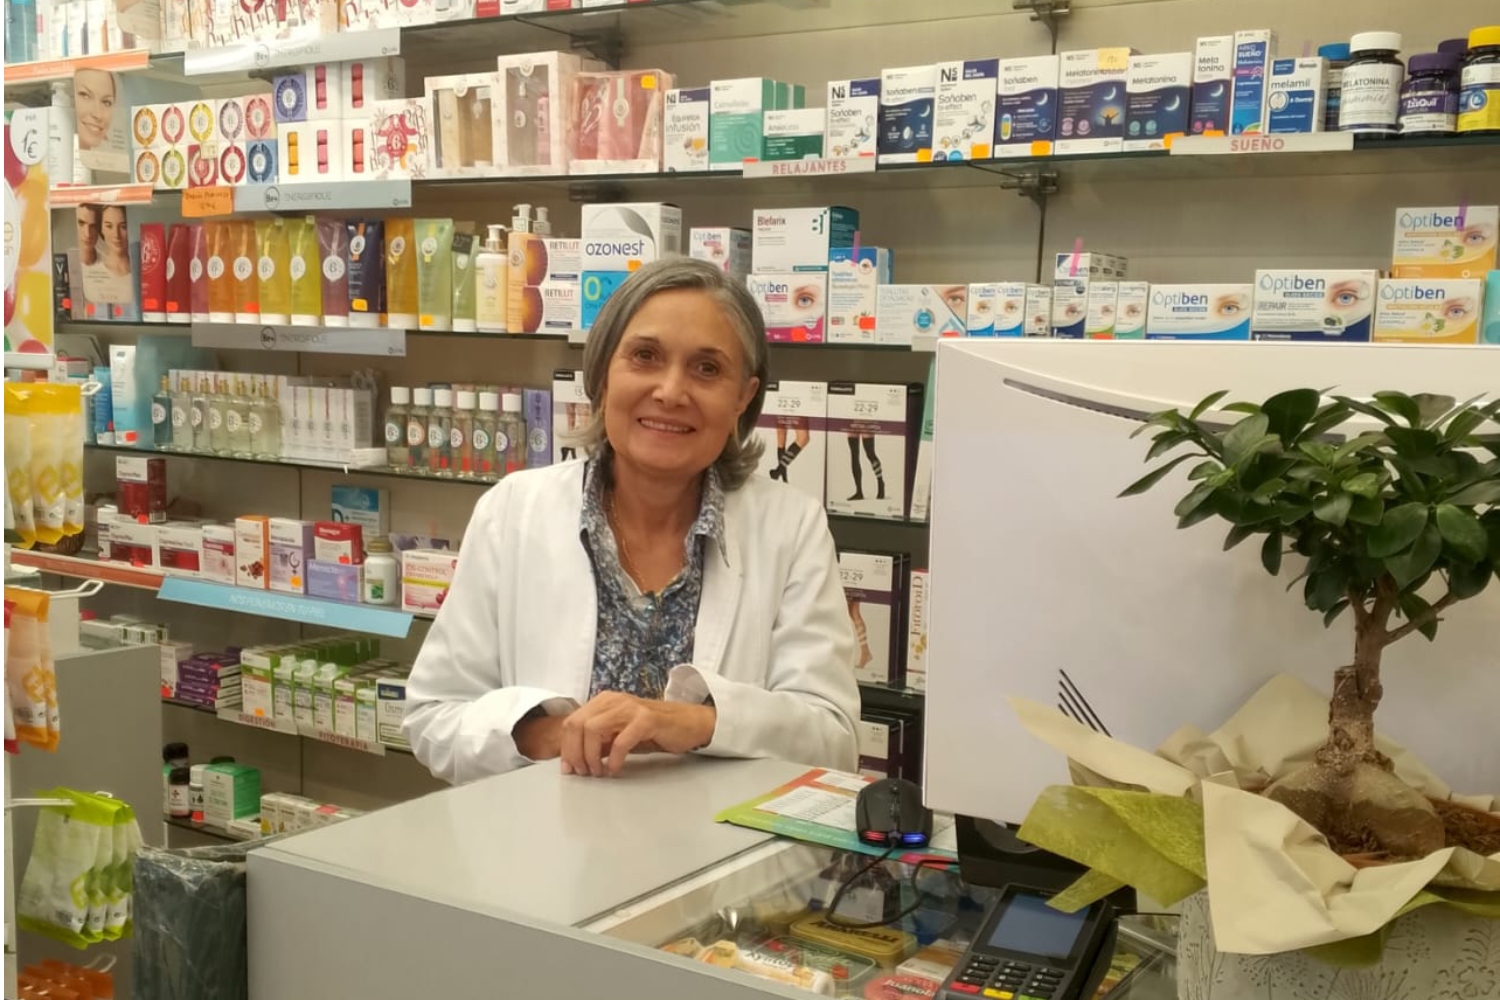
[(1297, 98), (366, 507), (1254, 51)]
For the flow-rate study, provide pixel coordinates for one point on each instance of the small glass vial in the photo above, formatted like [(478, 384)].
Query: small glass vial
[(161, 418), (202, 437), (265, 425), (397, 451), (237, 421), (1479, 84), (439, 434), (382, 572), (1370, 102), (1429, 97), (510, 436), (486, 421), (461, 437), (416, 428), (182, 413), (218, 406), (179, 793), (195, 793)]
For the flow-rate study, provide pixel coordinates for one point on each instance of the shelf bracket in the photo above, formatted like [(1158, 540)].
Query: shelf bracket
[(1049, 12), (1036, 183)]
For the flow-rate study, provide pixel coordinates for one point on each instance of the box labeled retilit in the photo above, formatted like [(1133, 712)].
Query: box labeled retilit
[(1428, 311), (793, 427), (1200, 312), (1158, 95), (792, 303), (1026, 106), (1254, 51), (685, 130), (1213, 84), (800, 239), (1298, 95), (907, 99), (618, 239), (793, 134), (906, 313), (854, 280), (853, 114), (965, 109), (1091, 100), (1448, 241), (870, 470), (1313, 305)]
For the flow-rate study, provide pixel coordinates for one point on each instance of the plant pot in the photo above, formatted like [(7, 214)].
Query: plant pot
[(1435, 953)]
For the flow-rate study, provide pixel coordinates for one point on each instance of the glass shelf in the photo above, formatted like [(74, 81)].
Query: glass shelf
[(289, 464), (200, 828), (882, 697)]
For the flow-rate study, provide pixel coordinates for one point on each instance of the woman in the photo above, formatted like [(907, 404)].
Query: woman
[(658, 597), (94, 105), (108, 279)]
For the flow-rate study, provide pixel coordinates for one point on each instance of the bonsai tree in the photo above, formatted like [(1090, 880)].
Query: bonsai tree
[(1394, 525)]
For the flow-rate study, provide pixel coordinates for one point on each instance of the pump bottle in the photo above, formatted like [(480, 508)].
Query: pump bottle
[(492, 274)]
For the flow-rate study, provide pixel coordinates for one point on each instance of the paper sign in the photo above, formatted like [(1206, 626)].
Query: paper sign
[(810, 168), (1292, 142), (197, 203)]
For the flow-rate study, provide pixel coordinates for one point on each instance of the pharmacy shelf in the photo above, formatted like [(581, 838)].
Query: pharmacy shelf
[(72, 195), (46, 70), (203, 829), (237, 718), (351, 470), (257, 56), (286, 607), (85, 567)]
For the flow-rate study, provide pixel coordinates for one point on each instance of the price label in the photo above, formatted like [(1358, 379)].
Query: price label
[(198, 203)]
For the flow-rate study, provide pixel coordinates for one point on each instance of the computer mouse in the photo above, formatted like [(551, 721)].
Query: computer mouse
[(891, 810)]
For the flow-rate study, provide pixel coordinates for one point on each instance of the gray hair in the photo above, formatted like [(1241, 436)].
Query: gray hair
[(742, 452)]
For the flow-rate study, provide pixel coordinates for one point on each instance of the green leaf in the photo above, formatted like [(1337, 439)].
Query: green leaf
[(1491, 522), (1268, 489), (1237, 534), (1366, 510), (1401, 405), (1397, 530), (1464, 423), (1244, 437), (1206, 402), (1329, 417), (1366, 484), (1414, 606), (1151, 478), (1270, 553), (1246, 408), (1326, 588), (1480, 493), (1469, 581), (1358, 406), (1334, 510), (1463, 532), (1194, 500), (1335, 611), (1413, 442), (1319, 451), (1162, 418), (1364, 442), (1165, 442), (1290, 411), (1203, 470), (1417, 561), (1433, 407)]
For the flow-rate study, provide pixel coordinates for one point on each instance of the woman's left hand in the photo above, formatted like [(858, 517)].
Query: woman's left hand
[(598, 737)]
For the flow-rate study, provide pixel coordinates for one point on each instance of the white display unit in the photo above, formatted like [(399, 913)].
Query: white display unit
[(1037, 569)]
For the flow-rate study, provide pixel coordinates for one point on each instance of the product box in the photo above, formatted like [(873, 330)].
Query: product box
[(1038, 317), (338, 542), (906, 313), (1099, 315), (291, 550), (426, 575), (872, 474), (545, 291), (685, 130), (364, 506), (571, 413), (907, 99), (536, 405), (1428, 311), (1450, 241), (1199, 312), (390, 710), (921, 490), (619, 238), (1313, 305), (800, 239), (1158, 95), (1298, 95), (400, 139), (1213, 84), (1068, 266), (736, 122), (853, 114), (916, 631), (874, 599), (355, 140), (533, 131), (334, 581), (1254, 51), (218, 565), (309, 93), (997, 309), (230, 792), (619, 117), (1070, 307), (363, 82), (261, 159), (463, 116), (1130, 310), (792, 303), (1026, 106), (793, 134), (258, 666), (793, 427), (1091, 100), (180, 548), (726, 248), (964, 110), (252, 551), (854, 280), (141, 485), (881, 741), (310, 152)]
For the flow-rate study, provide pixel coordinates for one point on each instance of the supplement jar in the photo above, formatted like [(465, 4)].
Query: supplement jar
[(179, 797), (382, 581), (1479, 85), (1429, 97), (1371, 97), (1337, 54)]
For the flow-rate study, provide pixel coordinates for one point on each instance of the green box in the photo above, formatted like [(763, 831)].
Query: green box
[(796, 134), (230, 792)]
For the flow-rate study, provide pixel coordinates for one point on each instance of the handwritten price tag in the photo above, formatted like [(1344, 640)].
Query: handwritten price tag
[(198, 203)]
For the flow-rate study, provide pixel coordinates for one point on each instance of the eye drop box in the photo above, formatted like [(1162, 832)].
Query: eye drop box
[(725, 247), (369, 509), (997, 309), (793, 426), (907, 99), (1445, 242), (853, 112), (1130, 310), (1213, 84), (1038, 317), (618, 239), (793, 134), (685, 130), (1254, 51), (1298, 95), (1428, 311), (869, 580), (1091, 99), (1199, 312), (870, 469), (1069, 266), (965, 109), (854, 281), (1070, 307), (571, 412), (904, 313), (736, 121), (916, 631), (1313, 305), (1158, 95), (1026, 106), (792, 303), (800, 239), (534, 133), (1099, 319)]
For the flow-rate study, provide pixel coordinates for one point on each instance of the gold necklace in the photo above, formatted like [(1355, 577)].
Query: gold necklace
[(620, 544)]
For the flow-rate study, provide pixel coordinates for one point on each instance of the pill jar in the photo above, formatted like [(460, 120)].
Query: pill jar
[(1371, 96), (1479, 85), (1457, 46), (382, 582), (1429, 97), (1337, 55), (179, 795)]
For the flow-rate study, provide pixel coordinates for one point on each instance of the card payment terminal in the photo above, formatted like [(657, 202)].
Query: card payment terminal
[(1026, 950)]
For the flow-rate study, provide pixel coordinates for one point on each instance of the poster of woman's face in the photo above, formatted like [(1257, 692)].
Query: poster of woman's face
[(101, 117), (104, 252)]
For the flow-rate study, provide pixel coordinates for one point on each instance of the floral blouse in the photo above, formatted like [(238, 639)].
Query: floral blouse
[(641, 637)]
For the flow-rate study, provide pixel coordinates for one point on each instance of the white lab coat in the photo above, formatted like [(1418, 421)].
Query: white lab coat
[(773, 644)]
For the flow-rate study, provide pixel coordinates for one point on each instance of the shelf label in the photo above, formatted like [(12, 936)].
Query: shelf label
[(322, 196), (312, 339), (198, 203), (1237, 145), (578, 337), (349, 742), (288, 728), (70, 196), (810, 168), (287, 607), (62, 69), (338, 46)]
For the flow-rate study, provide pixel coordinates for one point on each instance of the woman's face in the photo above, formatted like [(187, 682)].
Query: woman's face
[(114, 231), (676, 385), (94, 105)]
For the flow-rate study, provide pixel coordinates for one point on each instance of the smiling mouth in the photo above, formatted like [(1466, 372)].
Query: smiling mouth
[(664, 426)]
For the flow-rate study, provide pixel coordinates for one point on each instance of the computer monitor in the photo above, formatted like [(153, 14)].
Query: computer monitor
[(1045, 586)]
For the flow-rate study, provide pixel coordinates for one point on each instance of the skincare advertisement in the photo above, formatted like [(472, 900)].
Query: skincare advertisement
[(1313, 305), (1199, 312), (793, 428)]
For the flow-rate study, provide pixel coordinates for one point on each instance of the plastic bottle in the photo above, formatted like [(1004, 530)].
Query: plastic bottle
[(439, 434), (20, 31), (1371, 96), (237, 420), (218, 406), (510, 436), (182, 413), (1479, 84), (397, 451), (161, 417), (492, 274), (461, 437), (179, 793), (1429, 97), (416, 428), (1337, 54), (195, 793), (485, 425), (202, 437), (265, 423), (173, 756), (382, 572)]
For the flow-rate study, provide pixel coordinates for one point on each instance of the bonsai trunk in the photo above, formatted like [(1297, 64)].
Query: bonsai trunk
[(1351, 711)]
